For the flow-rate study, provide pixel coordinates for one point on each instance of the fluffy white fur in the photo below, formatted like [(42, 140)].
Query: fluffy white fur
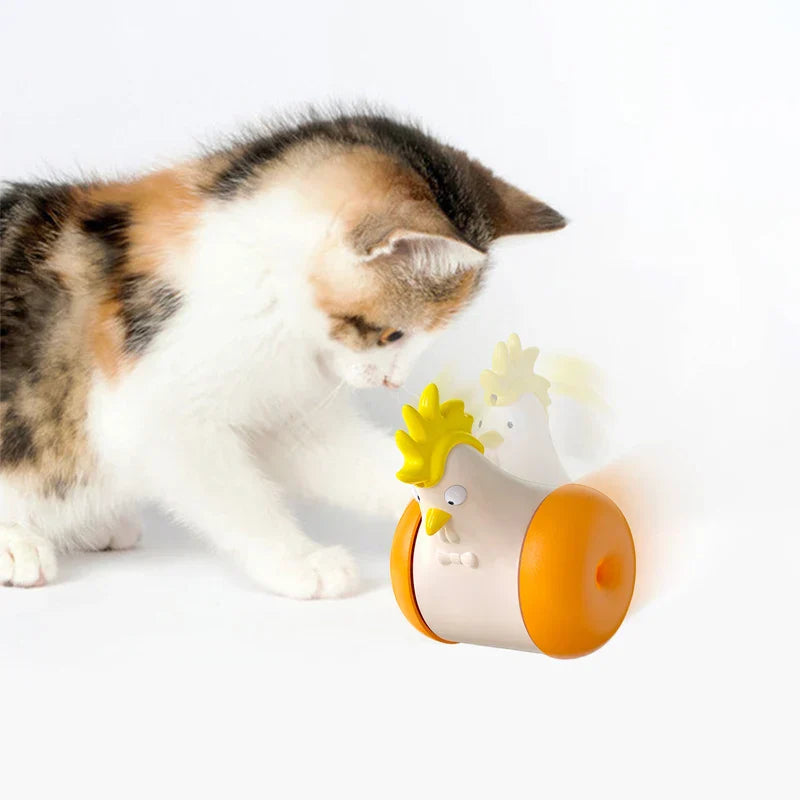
[(241, 397)]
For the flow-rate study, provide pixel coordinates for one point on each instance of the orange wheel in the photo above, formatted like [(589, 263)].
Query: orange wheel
[(401, 563), (576, 572)]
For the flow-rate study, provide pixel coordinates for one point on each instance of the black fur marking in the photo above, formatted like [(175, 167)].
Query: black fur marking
[(146, 305), (461, 192), (109, 224), (11, 200), (548, 219), (57, 487), (59, 389), (31, 220), (362, 327), (146, 302), (16, 445)]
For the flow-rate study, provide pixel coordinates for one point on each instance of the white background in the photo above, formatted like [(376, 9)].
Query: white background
[(668, 133)]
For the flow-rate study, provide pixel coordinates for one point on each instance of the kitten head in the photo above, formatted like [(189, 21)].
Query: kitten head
[(384, 303), (411, 224), (415, 221)]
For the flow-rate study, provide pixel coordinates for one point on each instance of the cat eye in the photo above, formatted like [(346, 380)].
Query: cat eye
[(390, 335)]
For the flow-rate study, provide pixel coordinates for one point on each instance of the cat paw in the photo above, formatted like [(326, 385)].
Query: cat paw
[(121, 534), (125, 534), (335, 570), (323, 573), (25, 558)]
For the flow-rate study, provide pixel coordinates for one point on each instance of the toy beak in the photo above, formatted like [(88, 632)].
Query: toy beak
[(491, 439), (435, 520)]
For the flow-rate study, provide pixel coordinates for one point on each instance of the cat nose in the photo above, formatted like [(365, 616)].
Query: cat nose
[(390, 384)]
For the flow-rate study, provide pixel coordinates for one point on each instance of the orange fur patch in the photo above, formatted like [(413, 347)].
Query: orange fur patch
[(106, 338), (162, 206)]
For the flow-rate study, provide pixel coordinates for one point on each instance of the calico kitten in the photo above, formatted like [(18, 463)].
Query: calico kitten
[(182, 337)]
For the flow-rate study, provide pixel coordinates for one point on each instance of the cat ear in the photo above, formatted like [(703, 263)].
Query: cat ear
[(434, 254), (515, 212)]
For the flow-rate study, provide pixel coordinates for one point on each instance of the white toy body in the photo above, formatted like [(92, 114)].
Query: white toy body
[(465, 575)]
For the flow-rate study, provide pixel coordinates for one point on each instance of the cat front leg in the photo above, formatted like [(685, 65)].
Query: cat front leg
[(209, 478), (341, 458)]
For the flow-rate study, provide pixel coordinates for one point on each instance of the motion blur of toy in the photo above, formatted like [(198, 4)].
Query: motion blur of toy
[(485, 556), (514, 426), (527, 402)]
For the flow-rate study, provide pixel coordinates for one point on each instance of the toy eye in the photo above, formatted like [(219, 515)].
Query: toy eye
[(419, 499), (455, 495), (510, 424), (480, 424)]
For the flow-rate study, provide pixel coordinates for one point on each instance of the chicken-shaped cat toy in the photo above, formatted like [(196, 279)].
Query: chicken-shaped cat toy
[(481, 556)]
